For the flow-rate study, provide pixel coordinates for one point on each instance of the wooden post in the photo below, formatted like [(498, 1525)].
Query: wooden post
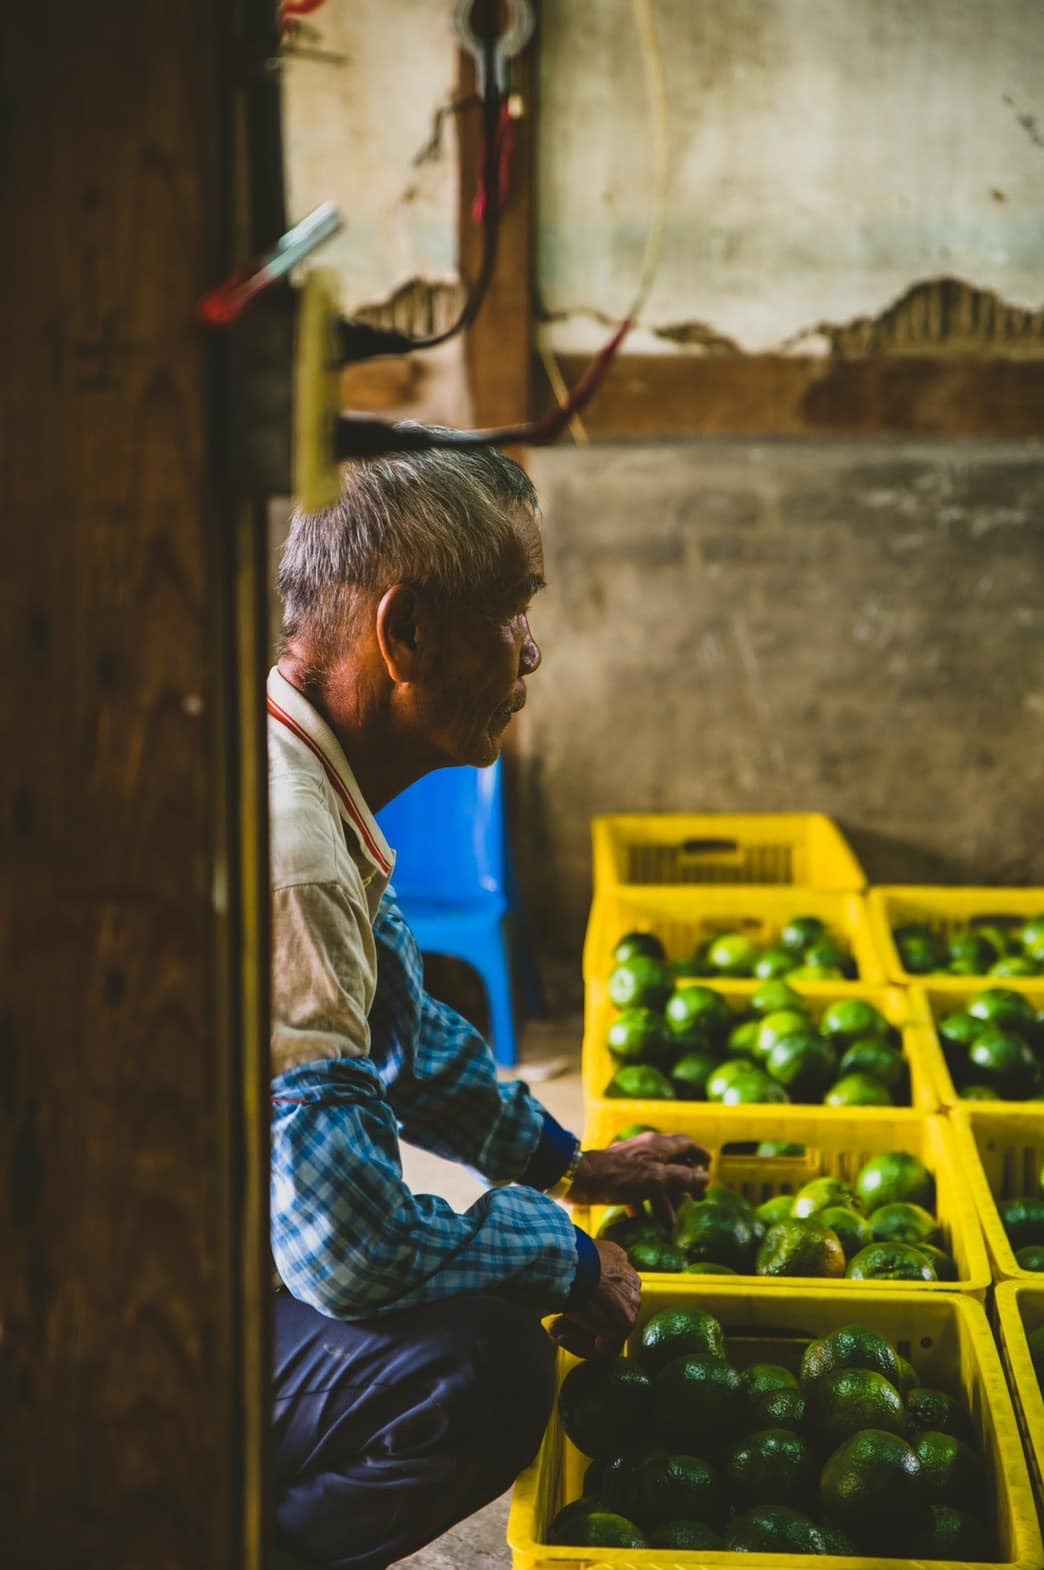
[(132, 1022)]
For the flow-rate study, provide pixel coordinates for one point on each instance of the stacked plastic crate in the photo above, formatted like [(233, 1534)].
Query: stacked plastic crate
[(684, 879)]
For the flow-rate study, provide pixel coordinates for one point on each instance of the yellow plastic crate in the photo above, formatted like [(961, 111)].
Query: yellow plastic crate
[(683, 918), (1020, 1311), (597, 1064), (722, 847), (1001, 1157), (931, 1003), (944, 910), (945, 1336), (834, 1147)]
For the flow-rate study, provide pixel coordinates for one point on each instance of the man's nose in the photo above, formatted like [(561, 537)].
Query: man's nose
[(530, 657)]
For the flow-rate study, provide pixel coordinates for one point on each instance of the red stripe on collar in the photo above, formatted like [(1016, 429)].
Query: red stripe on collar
[(338, 784)]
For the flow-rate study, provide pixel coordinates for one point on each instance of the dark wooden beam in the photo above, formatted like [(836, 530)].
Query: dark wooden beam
[(132, 1117), (677, 395)]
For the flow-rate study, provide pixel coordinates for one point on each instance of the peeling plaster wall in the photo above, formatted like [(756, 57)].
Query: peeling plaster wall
[(827, 156), (849, 627)]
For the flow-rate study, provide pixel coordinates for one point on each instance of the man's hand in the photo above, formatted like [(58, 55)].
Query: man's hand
[(661, 1167), (601, 1327)]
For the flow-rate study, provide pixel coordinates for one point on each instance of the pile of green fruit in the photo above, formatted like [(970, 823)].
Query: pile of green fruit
[(688, 1044), (1023, 1221), (850, 1456), (999, 946), (806, 950), (881, 1227), (994, 1048)]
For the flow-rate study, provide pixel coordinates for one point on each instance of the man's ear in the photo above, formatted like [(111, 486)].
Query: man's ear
[(403, 631)]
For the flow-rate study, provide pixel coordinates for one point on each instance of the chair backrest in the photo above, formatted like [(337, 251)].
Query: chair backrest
[(449, 835)]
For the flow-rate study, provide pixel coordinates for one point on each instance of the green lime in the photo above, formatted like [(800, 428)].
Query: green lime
[(742, 1038), (944, 1265), (850, 1346), (972, 949), (829, 957), (802, 931), (720, 1078), (930, 1410), (921, 949), (776, 1409), (733, 954), (901, 1222), (945, 1533), (853, 1230), (951, 1472), (635, 1034), (700, 1403), (621, 1225), (964, 967), (707, 1267), (772, 1529), (751, 1088), (852, 1019), (960, 1029), (1003, 937), (676, 1332), (1004, 1007), (908, 1378), (655, 1257), (800, 1248), (872, 1478), (719, 1233), (779, 1147), (774, 963), (634, 943), (606, 1407), (894, 1176), (1031, 1257), (842, 1403), (879, 1061), (640, 1082), (594, 1529), (721, 1194), (1031, 934), (1002, 1061), (820, 1193), (1014, 965), (640, 982), (772, 1467), (778, 1208), (810, 973), (977, 1093), (698, 1009), (690, 1074), (759, 1377), (775, 1026), (614, 1482), (1023, 1220), (890, 1262), (691, 1536), (676, 1487), (804, 1064), (858, 1090), (775, 996)]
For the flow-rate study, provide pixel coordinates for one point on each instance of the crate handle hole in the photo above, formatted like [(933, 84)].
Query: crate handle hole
[(708, 847)]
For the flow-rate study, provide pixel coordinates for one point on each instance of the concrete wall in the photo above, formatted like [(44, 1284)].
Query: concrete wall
[(825, 158), (850, 627)]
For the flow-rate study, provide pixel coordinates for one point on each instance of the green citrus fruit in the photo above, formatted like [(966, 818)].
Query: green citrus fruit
[(777, 1409), (759, 1377), (707, 1267), (930, 1410), (690, 1074), (772, 1529), (626, 1227), (804, 1064), (1014, 965), (800, 1248), (698, 1009), (820, 1193), (724, 1234), (752, 1088), (890, 1262), (720, 1078), (632, 1131), (944, 1265), (775, 996), (774, 1466), (779, 1147), (858, 1090), (921, 949), (607, 1407), (951, 1472), (1004, 1007), (700, 1403), (894, 1176), (742, 1038), (773, 963), (1003, 1061), (594, 1529), (1031, 1257), (641, 982), (802, 931), (637, 1033), (973, 949), (829, 957), (692, 1536), (852, 1229), (675, 1332), (901, 1222), (850, 1346), (776, 1025), (879, 1061), (908, 1378), (650, 1257), (842, 1403), (1023, 1220), (633, 943), (946, 1533), (871, 1478), (640, 1082), (778, 1208), (852, 1019), (733, 954), (676, 1487)]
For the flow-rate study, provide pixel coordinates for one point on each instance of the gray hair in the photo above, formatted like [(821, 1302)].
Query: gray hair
[(439, 519)]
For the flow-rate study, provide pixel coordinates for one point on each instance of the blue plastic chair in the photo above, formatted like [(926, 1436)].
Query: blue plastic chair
[(454, 882)]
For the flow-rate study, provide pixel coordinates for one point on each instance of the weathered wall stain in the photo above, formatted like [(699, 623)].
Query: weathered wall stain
[(419, 307), (941, 315)]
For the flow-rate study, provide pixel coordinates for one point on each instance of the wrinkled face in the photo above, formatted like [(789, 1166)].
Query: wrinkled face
[(485, 654)]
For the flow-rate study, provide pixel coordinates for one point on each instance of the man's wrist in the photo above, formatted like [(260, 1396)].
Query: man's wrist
[(560, 1190)]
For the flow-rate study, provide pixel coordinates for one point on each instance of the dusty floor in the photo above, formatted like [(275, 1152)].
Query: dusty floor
[(549, 1048)]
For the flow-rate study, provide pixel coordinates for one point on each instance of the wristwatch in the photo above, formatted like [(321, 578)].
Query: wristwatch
[(560, 1190)]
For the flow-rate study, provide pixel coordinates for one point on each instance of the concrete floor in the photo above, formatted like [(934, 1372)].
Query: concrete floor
[(551, 1067)]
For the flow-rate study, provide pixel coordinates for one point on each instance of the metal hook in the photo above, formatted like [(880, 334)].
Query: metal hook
[(510, 43)]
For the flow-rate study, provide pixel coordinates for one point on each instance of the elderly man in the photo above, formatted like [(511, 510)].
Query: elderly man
[(413, 1378)]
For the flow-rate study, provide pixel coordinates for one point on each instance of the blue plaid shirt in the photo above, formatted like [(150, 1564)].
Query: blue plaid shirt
[(348, 1236)]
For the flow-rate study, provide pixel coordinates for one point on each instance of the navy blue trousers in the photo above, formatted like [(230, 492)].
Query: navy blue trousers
[(389, 1431)]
